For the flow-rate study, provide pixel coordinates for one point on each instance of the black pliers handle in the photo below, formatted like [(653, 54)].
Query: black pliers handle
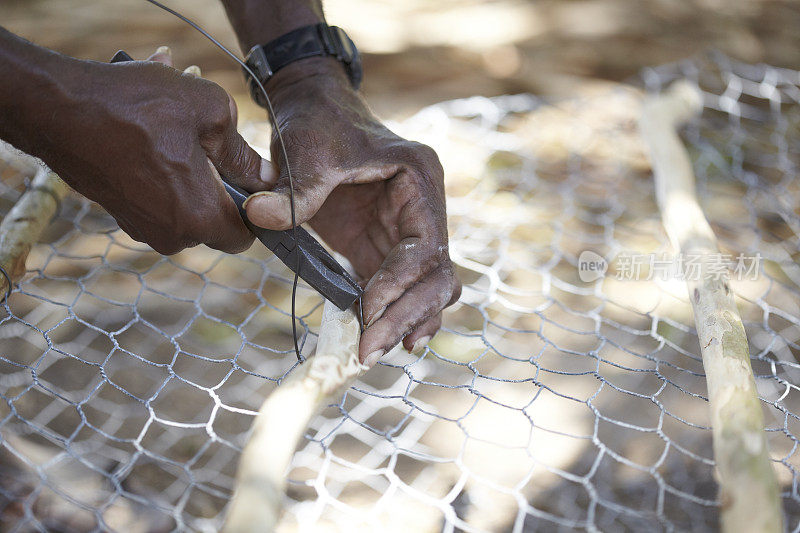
[(296, 248)]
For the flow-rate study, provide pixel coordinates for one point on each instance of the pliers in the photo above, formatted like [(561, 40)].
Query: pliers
[(297, 249), (315, 266)]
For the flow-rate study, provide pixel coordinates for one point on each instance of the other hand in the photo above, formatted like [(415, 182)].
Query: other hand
[(374, 197)]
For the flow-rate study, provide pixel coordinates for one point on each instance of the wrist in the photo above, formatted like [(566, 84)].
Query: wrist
[(318, 71), (259, 22), (318, 52)]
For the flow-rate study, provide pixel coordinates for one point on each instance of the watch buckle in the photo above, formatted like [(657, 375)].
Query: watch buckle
[(257, 62), (342, 45)]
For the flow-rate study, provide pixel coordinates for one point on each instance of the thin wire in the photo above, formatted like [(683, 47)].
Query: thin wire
[(285, 156), (361, 313)]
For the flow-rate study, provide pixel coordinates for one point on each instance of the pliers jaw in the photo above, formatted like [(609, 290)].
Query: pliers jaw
[(302, 253)]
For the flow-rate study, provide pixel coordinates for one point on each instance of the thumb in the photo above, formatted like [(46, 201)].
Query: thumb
[(273, 209), (239, 163)]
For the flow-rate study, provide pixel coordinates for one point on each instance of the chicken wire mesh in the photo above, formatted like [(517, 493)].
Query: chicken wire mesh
[(129, 379)]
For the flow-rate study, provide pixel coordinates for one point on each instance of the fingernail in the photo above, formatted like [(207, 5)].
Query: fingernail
[(376, 316), (194, 70), (164, 50), (260, 194), (420, 345), (373, 358)]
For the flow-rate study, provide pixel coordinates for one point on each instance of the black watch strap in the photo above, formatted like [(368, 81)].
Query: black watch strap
[(309, 41)]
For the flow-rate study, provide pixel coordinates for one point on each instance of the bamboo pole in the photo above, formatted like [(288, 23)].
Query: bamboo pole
[(283, 418), (24, 223), (749, 494)]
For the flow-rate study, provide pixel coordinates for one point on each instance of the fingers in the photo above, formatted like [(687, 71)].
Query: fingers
[(419, 339), (413, 315), (228, 232), (407, 263), (193, 70), (230, 154), (237, 161), (162, 55), (227, 154)]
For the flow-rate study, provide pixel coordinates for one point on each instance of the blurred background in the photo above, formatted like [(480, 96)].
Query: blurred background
[(417, 52), (545, 403)]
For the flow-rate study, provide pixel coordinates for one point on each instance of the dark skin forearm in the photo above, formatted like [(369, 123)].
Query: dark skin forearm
[(28, 80), (143, 140), (260, 21)]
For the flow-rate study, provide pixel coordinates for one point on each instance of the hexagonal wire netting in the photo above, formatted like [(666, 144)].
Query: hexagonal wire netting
[(129, 379)]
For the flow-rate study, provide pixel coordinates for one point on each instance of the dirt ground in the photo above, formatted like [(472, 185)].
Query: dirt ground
[(417, 52)]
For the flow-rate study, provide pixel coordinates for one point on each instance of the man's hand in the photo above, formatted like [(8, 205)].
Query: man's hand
[(148, 143), (374, 197)]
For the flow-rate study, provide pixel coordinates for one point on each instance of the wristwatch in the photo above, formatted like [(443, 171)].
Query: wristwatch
[(309, 41)]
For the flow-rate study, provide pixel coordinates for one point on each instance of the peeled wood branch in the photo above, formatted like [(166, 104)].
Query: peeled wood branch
[(283, 419), (749, 495), (24, 223)]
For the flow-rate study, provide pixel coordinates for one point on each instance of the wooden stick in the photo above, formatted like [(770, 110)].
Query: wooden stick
[(284, 416), (24, 223), (283, 419), (749, 495)]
